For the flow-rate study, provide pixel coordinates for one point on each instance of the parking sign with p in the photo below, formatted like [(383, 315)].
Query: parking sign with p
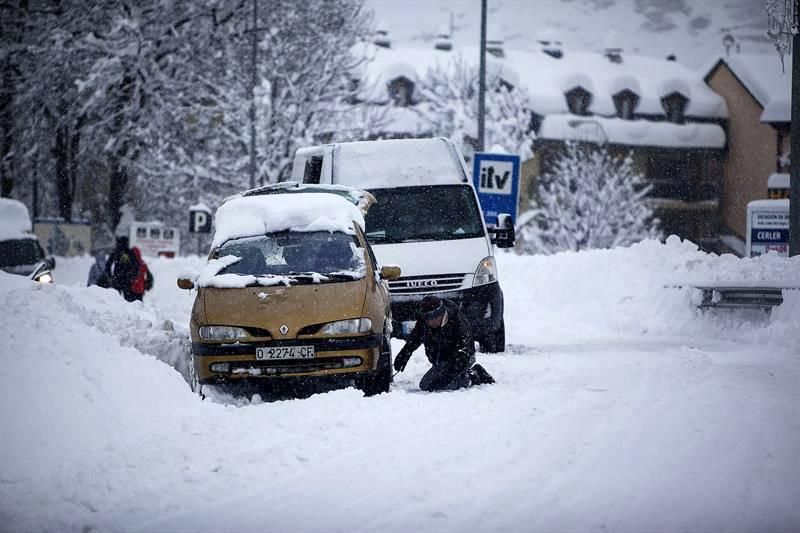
[(199, 219)]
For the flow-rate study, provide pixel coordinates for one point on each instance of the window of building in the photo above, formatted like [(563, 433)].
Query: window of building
[(578, 100), (626, 101), (674, 105), (401, 91)]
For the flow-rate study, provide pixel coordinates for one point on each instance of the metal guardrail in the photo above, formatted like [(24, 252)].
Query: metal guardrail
[(738, 296), (741, 297)]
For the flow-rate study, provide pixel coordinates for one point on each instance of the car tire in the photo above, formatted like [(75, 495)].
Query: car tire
[(194, 383), (381, 380), (495, 341)]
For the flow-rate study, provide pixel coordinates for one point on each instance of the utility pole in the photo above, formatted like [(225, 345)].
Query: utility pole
[(254, 79), (794, 131), (482, 83)]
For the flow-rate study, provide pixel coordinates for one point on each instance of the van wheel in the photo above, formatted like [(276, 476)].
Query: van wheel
[(381, 380), (495, 341)]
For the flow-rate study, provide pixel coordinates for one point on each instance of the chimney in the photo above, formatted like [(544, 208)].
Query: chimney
[(613, 54), (443, 40), (550, 42), (495, 47), (382, 38)]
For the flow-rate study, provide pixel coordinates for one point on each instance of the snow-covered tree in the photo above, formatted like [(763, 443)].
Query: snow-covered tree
[(450, 91), (590, 199), (147, 102)]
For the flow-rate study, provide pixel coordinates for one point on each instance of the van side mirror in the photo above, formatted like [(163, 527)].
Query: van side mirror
[(390, 272), (50, 263), (503, 235)]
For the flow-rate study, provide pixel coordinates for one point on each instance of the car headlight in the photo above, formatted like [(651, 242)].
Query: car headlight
[(222, 333), (486, 272), (341, 327), (44, 277)]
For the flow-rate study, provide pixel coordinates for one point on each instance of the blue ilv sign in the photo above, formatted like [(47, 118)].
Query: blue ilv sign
[(496, 178)]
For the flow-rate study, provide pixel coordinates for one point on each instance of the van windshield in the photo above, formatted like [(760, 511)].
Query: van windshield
[(18, 252), (298, 255), (427, 213)]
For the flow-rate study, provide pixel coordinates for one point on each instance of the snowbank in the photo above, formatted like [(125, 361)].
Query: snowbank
[(643, 290), (615, 409)]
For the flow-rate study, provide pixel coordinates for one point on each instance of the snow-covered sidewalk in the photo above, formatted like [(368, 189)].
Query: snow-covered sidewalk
[(618, 407)]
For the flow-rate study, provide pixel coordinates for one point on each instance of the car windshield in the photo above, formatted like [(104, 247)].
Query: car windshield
[(16, 252), (429, 213), (300, 255)]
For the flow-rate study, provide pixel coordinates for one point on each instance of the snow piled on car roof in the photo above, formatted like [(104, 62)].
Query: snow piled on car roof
[(15, 222), (247, 216)]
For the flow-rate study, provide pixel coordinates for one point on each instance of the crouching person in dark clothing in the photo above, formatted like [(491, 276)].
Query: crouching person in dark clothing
[(446, 334)]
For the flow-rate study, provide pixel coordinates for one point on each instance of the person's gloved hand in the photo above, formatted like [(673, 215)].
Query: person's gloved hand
[(401, 360)]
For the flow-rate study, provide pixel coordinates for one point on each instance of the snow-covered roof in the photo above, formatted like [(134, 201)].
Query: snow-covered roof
[(15, 222), (383, 65), (569, 127), (547, 78), (247, 216), (764, 79)]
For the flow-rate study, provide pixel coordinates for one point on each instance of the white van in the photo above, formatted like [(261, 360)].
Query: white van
[(427, 220)]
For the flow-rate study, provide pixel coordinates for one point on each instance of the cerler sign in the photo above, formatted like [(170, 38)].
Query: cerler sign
[(768, 227)]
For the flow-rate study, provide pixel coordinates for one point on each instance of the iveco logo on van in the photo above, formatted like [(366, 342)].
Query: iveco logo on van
[(422, 283)]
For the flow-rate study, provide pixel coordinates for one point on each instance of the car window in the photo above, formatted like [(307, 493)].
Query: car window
[(407, 214), (294, 253), (15, 252)]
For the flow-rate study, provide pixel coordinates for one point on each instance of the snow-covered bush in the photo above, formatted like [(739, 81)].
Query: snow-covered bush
[(450, 93), (590, 199)]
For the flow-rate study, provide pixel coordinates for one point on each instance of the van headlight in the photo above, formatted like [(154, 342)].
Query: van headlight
[(222, 333), (343, 327), (486, 272)]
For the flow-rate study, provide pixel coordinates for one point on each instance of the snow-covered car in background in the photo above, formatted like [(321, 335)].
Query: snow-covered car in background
[(427, 220), (292, 294), (20, 251)]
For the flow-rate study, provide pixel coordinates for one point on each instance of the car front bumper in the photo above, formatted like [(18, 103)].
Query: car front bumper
[(333, 357)]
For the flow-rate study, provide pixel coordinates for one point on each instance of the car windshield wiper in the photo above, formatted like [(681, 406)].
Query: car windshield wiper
[(350, 276), (307, 277), (377, 238)]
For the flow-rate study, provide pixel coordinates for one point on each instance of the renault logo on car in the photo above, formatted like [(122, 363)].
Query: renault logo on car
[(423, 283), (284, 329)]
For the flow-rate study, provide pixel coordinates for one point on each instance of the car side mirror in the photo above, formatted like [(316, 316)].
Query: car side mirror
[(390, 272), (503, 235), (186, 284), (50, 263)]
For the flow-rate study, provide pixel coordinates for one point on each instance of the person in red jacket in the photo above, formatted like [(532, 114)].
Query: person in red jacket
[(144, 279)]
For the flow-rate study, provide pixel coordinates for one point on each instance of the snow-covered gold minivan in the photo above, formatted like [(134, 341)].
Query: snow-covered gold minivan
[(291, 293)]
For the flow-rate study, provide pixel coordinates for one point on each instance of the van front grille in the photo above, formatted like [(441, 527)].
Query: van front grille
[(426, 284)]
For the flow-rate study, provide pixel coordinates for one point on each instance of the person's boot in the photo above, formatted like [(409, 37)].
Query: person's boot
[(480, 376)]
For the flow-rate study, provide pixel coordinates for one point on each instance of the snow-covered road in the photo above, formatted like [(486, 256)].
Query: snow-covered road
[(618, 408)]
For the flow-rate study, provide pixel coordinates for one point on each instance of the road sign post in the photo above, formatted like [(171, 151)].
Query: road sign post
[(496, 179)]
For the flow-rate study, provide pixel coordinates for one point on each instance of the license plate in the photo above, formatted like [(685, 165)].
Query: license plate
[(285, 352), (408, 325)]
